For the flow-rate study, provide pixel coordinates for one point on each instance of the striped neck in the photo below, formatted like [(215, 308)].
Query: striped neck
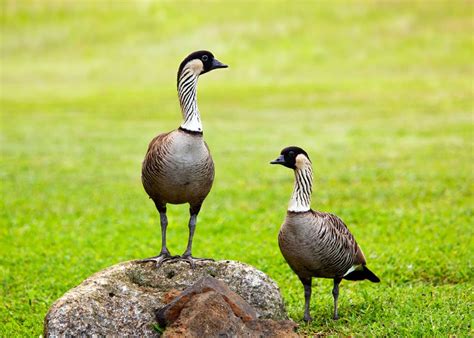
[(187, 90), (301, 199)]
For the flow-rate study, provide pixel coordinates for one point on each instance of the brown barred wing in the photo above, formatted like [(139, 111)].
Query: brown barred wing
[(152, 166), (340, 227)]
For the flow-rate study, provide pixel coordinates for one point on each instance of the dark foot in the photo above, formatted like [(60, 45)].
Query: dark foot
[(307, 318), (336, 317), (193, 260), (160, 259)]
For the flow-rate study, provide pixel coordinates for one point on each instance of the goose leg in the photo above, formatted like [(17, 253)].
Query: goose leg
[(335, 294), (307, 298), (187, 256), (164, 255)]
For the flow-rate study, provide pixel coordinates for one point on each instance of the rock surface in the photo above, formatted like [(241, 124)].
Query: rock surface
[(123, 299), (210, 309)]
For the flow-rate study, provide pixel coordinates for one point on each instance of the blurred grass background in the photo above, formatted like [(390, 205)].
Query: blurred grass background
[(379, 93)]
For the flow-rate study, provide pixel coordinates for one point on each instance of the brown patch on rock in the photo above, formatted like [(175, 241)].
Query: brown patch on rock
[(209, 315), (239, 307), (210, 309), (170, 295)]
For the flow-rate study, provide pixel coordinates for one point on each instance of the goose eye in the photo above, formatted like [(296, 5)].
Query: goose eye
[(204, 58)]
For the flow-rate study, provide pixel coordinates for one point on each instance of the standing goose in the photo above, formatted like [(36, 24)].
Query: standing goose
[(316, 244), (178, 166)]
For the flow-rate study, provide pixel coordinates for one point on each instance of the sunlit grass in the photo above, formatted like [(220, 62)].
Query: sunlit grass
[(379, 94)]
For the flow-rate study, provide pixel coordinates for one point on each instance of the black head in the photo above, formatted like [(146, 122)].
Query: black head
[(288, 155), (207, 59)]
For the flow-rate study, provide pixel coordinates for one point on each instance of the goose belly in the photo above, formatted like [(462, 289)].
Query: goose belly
[(181, 173), (310, 256), (186, 182)]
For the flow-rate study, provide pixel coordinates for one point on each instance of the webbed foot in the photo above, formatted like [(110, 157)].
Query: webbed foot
[(193, 260), (160, 259)]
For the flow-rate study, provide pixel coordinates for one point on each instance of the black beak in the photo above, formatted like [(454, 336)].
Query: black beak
[(217, 64), (279, 160)]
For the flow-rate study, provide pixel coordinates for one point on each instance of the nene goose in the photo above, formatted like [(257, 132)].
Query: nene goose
[(178, 166), (316, 244)]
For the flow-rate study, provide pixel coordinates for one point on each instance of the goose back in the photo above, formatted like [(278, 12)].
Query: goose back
[(317, 244), (178, 168)]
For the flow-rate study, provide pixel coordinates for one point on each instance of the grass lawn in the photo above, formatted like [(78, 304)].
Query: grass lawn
[(379, 93)]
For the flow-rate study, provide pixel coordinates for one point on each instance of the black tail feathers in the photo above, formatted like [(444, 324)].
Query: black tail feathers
[(362, 274)]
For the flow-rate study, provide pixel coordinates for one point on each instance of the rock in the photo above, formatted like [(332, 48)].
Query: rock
[(122, 299), (210, 309)]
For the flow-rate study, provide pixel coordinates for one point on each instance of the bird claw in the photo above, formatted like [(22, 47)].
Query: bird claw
[(307, 318), (166, 257), (160, 259), (192, 260)]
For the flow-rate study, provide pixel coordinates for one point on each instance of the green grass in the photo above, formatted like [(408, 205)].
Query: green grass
[(379, 93)]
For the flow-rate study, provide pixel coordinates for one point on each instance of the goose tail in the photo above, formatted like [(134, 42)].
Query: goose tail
[(362, 273)]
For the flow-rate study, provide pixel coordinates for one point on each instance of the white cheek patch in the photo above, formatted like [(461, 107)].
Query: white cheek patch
[(301, 161), (196, 66)]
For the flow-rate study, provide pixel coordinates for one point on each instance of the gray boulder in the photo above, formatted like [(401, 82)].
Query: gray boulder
[(122, 300)]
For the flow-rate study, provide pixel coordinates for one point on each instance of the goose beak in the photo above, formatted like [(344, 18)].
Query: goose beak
[(279, 160), (217, 64)]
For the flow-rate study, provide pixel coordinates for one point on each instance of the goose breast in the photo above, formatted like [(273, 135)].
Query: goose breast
[(178, 168), (314, 247)]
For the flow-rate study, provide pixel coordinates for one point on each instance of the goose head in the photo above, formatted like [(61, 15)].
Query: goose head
[(292, 157), (200, 62)]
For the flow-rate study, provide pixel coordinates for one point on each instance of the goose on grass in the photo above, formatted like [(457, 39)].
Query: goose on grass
[(314, 243)]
